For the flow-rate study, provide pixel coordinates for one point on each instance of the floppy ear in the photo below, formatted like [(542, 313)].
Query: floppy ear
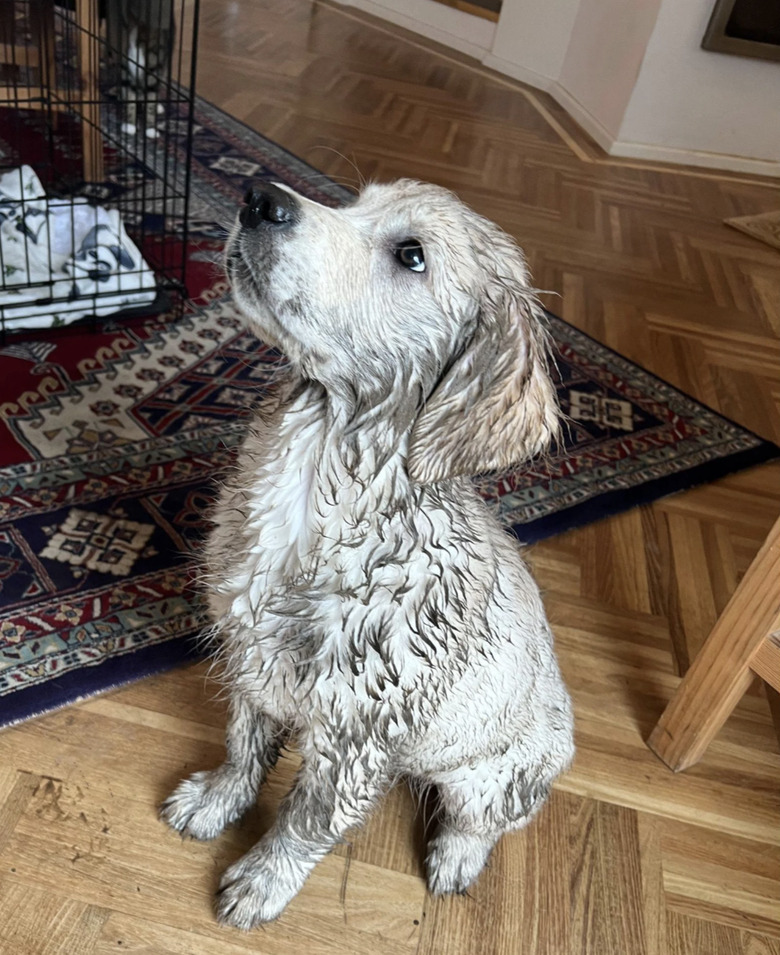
[(496, 405)]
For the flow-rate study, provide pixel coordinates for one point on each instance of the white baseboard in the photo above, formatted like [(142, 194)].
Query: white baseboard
[(582, 116), (652, 153), (517, 72), (461, 31), (694, 157)]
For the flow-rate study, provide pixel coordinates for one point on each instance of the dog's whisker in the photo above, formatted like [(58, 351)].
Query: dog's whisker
[(360, 178), (345, 181)]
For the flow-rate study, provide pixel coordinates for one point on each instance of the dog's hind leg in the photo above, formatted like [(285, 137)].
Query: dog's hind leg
[(480, 803), (336, 788), (204, 804)]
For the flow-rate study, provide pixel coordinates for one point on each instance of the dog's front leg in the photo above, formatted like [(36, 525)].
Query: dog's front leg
[(204, 804), (335, 790)]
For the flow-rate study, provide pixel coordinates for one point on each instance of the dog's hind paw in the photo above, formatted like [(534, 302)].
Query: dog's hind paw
[(455, 860), (204, 804)]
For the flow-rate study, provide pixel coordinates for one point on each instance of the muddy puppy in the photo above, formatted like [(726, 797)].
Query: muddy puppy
[(366, 601)]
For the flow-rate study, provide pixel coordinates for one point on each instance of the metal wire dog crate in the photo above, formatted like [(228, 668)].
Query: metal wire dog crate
[(96, 116)]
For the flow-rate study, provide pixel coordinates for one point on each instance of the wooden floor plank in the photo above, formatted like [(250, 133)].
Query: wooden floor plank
[(687, 934), (626, 857), (36, 922)]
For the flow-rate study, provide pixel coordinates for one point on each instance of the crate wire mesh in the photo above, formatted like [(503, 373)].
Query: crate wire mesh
[(96, 115)]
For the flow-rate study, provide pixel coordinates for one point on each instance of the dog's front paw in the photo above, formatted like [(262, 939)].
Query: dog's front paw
[(455, 860), (253, 891), (204, 804)]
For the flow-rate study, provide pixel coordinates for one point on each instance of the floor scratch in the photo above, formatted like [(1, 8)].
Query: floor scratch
[(343, 892)]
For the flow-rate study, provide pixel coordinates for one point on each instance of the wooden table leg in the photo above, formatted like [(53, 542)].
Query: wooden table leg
[(740, 646)]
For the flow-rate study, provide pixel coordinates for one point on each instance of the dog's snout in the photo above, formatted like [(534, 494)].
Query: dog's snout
[(268, 205)]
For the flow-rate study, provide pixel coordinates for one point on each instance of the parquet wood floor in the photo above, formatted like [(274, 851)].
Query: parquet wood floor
[(628, 859)]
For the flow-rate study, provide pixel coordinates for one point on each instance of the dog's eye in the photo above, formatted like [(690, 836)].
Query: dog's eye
[(410, 254)]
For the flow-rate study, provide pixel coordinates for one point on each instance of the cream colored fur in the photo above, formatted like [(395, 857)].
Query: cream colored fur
[(365, 599)]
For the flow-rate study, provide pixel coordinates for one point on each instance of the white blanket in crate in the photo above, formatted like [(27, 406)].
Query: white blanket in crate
[(82, 254)]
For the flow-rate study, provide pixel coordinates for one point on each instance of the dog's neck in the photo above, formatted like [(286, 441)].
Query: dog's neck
[(363, 432), (323, 476), (364, 439)]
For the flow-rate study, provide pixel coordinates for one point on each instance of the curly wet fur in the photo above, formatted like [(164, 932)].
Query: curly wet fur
[(366, 600)]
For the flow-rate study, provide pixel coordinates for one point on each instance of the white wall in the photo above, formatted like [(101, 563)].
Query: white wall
[(604, 56), (689, 103), (531, 39)]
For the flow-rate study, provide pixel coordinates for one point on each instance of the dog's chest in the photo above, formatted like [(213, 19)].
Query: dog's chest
[(335, 577), (332, 638)]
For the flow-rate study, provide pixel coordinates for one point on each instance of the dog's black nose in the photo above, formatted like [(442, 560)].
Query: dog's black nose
[(268, 204)]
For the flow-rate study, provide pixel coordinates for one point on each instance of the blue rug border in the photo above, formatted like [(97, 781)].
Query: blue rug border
[(611, 503), (109, 674)]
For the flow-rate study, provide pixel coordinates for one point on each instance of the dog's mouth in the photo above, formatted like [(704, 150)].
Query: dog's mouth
[(234, 261), (240, 271), (247, 273)]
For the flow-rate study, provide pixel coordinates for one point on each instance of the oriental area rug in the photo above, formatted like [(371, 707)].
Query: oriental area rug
[(112, 441)]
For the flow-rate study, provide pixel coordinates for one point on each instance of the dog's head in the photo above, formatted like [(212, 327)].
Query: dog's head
[(410, 302)]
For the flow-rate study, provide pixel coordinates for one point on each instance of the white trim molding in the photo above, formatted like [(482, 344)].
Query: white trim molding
[(517, 72), (652, 153), (596, 130), (694, 157)]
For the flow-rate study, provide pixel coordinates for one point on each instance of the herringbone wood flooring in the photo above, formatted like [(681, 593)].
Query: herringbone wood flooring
[(628, 859)]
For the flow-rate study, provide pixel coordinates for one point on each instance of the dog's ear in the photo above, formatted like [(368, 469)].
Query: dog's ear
[(495, 405)]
